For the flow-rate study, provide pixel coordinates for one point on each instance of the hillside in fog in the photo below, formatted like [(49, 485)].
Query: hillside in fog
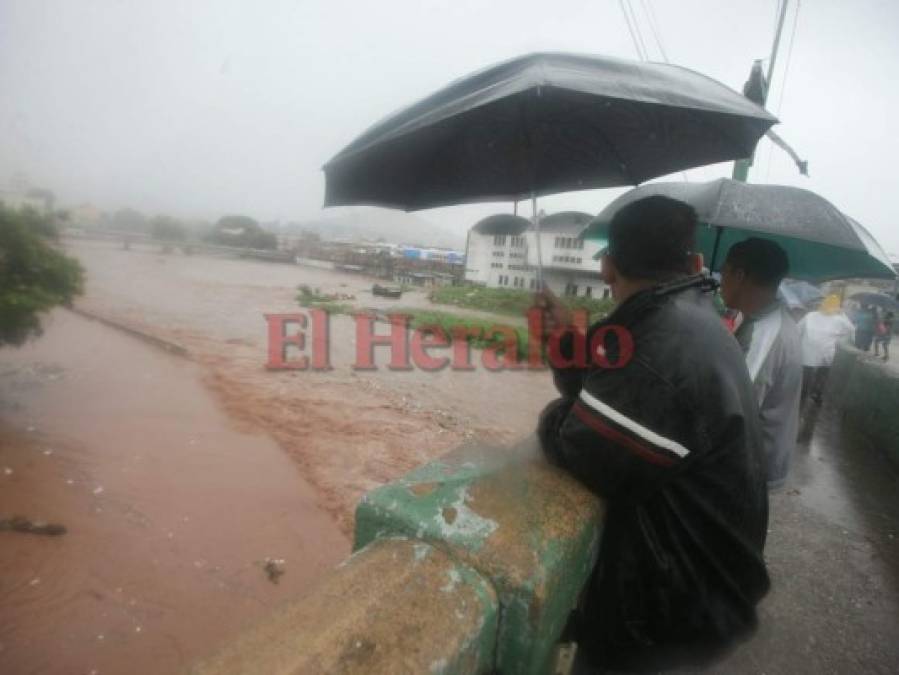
[(373, 224)]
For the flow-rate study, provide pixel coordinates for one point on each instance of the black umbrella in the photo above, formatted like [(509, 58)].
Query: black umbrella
[(877, 300), (821, 242), (542, 124)]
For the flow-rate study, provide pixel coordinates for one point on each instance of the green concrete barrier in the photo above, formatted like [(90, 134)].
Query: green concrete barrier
[(396, 606), (470, 564), (525, 526), (867, 391)]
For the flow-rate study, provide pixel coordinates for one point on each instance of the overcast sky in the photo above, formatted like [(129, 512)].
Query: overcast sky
[(209, 107)]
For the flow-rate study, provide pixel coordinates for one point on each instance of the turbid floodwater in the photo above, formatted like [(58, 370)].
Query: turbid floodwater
[(348, 430), (178, 477), (170, 510)]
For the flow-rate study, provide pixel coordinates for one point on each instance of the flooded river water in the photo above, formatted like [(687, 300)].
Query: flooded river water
[(171, 511)]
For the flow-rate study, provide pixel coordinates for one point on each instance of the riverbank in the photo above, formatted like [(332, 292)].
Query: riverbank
[(348, 431), (170, 510)]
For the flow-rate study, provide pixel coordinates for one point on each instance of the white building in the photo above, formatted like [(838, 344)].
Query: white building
[(501, 252), (496, 251)]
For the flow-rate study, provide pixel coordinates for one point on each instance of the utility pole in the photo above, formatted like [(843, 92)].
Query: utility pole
[(741, 166)]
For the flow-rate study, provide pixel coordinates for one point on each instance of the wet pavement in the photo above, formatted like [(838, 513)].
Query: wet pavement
[(833, 556), (171, 510)]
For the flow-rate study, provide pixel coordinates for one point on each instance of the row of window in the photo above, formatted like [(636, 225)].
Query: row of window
[(520, 282), (500, 240), (569, 242), (499, 254), (571, 289), (517, 282), (496, 265), (567, 259)]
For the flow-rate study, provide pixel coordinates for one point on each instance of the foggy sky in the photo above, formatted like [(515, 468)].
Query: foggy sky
[(210, 107)]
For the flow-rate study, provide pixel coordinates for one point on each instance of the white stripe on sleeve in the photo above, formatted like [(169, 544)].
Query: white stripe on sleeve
[(633, 426)]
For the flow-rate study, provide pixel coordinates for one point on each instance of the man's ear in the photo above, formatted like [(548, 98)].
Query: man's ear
[(607, 270), (696, 263)]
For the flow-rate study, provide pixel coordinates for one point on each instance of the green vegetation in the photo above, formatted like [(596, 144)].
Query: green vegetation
[(167, 229), (315, 299), (242, 231), (481, 333), (511, 301), (34, 275)]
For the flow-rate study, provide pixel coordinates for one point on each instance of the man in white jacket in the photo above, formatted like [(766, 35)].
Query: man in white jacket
[(750, 277), (820, 332)]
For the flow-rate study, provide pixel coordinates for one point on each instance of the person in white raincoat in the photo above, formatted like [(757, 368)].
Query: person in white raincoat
[(820, 332)]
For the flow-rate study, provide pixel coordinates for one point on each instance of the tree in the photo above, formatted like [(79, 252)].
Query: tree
[(34, 276), (42, 223), (242, 231), (167, 229), (129, 220)]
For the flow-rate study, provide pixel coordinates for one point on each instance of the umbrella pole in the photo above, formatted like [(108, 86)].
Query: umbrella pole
[(715, 250), (537, 234)]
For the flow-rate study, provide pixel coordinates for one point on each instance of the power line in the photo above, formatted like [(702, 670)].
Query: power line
[(783, 87), (637, 29), (653, 27), (630, 28)]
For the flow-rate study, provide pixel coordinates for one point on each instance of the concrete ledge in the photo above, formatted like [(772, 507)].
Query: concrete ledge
[(527, 527), (867, 391), (396, 606)]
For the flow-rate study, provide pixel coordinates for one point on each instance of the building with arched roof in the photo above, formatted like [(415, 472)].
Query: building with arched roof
[(501, 252)]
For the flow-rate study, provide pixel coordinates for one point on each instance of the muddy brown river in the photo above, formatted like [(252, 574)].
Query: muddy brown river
[(171, 510), (178, 477)]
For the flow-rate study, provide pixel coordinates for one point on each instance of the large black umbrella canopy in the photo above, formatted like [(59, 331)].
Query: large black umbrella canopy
[(821, 242), (542, 124)]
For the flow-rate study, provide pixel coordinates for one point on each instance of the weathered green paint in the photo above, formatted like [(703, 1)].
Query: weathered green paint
[(741, 170), (525, 526)]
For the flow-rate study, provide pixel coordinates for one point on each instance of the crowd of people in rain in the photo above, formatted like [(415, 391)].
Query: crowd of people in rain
[(686, 439), (873, 327)]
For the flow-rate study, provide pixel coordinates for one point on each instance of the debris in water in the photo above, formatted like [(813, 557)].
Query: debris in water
[(20, 524), (98, 490), (274, 568), (7, 471)]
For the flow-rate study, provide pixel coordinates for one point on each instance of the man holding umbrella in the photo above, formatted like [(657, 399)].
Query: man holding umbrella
[(670, 439), (750, 278)]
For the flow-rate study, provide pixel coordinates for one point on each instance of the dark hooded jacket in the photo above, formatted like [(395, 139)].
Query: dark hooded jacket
[(671, 441)]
